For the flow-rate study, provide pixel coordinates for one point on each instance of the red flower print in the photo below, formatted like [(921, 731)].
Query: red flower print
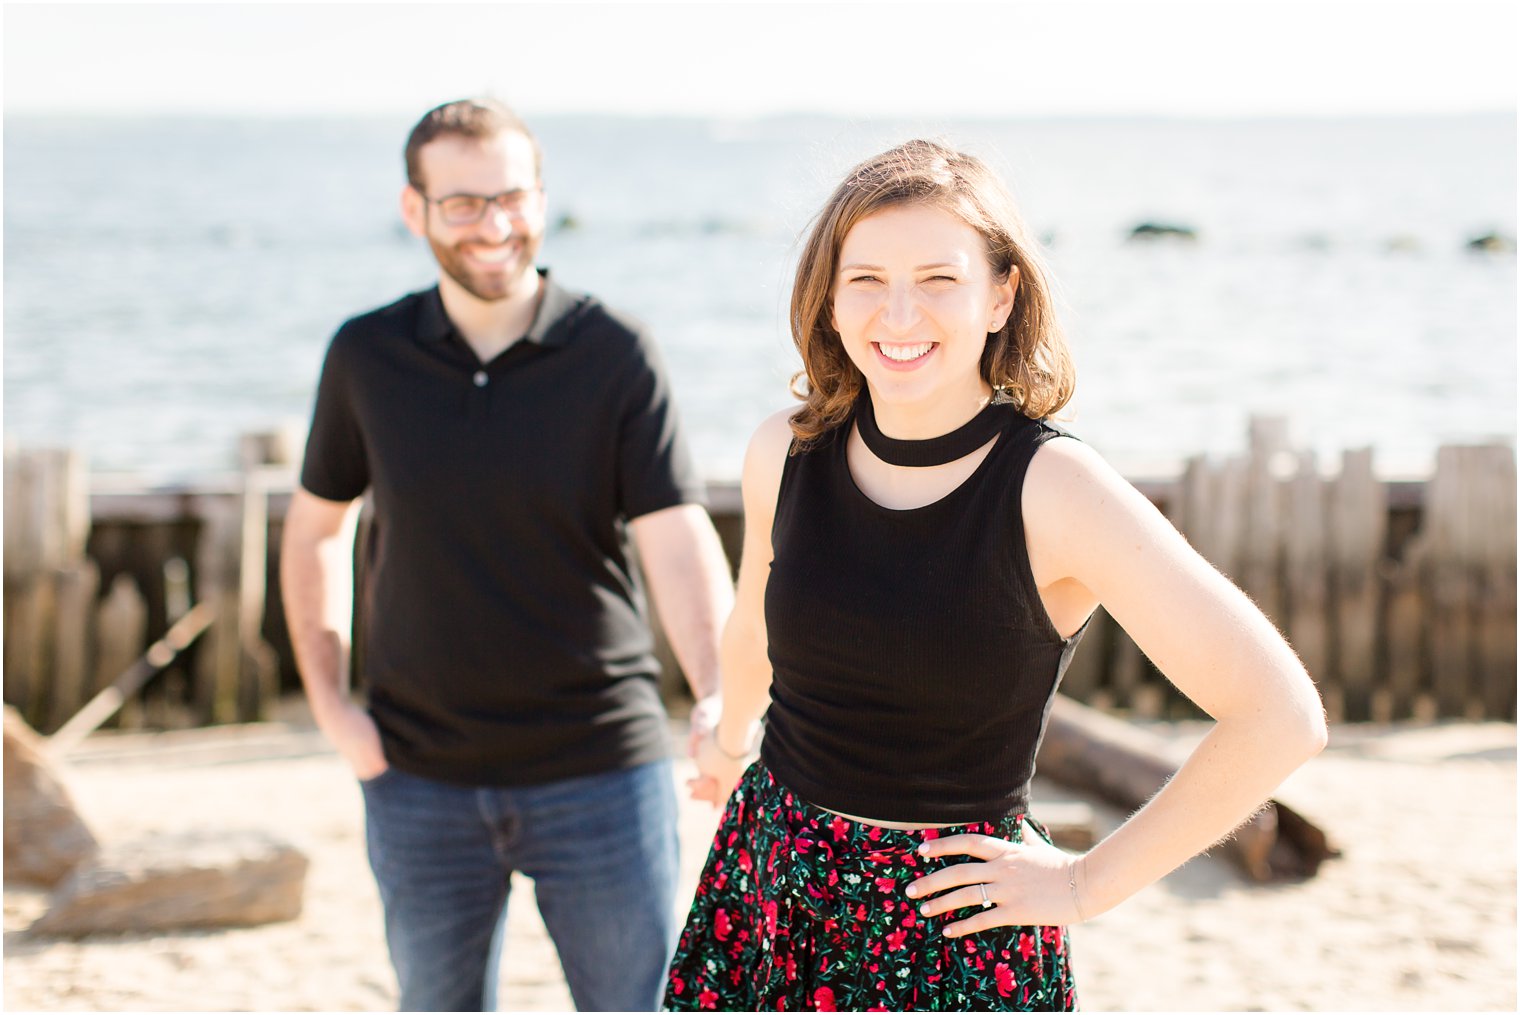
[(833, 876), (1026, 946), (823, 999), (745, 863), (722, 925), (895, 940), (931, 833), (875, 833), (1004, 979), (677, 985), (770, 917), (708, 1000), (885, 884), (839, 827)]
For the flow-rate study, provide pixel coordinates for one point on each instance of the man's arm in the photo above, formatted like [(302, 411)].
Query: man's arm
[(317, 585), (689, 578)]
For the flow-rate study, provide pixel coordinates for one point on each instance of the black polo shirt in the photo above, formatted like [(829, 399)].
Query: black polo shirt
[(506, 640)]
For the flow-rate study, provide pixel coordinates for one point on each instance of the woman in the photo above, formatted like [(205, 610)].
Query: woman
[(922, 552)]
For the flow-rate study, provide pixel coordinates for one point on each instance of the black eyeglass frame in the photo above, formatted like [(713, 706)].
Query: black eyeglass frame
[(518, 194)]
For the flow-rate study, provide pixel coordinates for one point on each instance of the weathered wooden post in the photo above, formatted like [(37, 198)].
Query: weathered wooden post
[(1306, 600), (1495, 562), (1261, 548), (216, 584), (1449, 529), (264, 458), (1229, 494), (1358, 532), (172, 704), (47, 520), (121, 627), (74, 639)]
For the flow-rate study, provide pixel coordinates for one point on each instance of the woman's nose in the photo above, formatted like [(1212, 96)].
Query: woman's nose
[(901, 310)]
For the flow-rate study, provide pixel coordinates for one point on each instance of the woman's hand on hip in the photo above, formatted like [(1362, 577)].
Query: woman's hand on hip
[(1029, 883)]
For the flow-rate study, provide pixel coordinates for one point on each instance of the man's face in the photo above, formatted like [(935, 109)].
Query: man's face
[(493, 257)]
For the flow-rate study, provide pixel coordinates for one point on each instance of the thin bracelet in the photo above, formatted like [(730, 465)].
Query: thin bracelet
[(724, 751), (1071, 876)]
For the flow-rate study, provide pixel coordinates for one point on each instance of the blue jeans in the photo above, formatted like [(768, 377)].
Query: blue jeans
[(601, 851)]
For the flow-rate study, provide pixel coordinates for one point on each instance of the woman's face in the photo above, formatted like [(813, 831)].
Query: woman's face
[(913, 302)]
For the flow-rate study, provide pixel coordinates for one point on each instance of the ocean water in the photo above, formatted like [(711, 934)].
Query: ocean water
[(170, 284)]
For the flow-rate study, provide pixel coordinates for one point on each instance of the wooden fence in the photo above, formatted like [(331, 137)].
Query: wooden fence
[(66, 642), (1399, 597), (1397, 611)]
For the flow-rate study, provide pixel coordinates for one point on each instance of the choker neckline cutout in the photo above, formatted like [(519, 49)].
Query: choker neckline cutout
[(923, 454)]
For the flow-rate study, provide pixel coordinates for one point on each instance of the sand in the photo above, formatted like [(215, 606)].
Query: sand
[(1418, 914)]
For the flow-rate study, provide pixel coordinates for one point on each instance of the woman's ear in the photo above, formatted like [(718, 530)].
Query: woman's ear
[(1005, 293)]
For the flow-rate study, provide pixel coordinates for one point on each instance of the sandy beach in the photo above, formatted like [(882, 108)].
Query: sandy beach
[(1418, 914)]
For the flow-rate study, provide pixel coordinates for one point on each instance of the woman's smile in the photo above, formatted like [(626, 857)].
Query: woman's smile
[(904, 357)]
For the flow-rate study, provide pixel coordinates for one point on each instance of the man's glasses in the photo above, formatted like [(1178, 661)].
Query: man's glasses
[(467, 209)]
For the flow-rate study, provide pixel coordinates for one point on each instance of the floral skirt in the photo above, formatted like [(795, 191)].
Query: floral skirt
[(799, 909)]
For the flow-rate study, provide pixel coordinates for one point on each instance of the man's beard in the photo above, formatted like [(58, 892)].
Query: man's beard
[(488, 287)]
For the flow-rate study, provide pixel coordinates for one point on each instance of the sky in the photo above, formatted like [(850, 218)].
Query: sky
[(949, 60)]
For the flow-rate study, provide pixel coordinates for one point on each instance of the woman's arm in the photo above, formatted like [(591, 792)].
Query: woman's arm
[(1090, 531), (744, 663)]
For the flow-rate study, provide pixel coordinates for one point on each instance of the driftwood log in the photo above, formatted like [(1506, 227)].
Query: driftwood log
[(1087, 750), (45, 838)]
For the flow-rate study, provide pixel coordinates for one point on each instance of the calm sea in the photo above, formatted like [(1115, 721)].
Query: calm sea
[(172, 283)]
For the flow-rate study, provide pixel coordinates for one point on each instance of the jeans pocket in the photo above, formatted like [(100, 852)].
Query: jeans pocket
[(378, 780)]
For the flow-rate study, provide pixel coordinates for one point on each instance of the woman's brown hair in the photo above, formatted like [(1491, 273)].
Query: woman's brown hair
[(1028, 357)]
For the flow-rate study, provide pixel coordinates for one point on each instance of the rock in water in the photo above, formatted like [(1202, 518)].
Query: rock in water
[(45, 837), (194, 879)]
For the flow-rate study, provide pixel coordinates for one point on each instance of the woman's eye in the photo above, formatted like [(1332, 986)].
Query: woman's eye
[(942, 278)]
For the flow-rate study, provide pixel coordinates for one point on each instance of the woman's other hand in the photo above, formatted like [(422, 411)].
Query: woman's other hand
[(718, 768)]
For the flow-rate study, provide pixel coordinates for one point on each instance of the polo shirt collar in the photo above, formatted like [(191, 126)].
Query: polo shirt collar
[(433, 324)]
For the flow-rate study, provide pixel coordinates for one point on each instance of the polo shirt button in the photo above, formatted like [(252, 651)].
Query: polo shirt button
[(481, 378)]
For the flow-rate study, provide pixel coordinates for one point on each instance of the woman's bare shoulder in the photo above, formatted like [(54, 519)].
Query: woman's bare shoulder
[(1072, 493), (766, 456)]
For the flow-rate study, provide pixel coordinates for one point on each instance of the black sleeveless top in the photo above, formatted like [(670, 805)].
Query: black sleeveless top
[(914, 663)]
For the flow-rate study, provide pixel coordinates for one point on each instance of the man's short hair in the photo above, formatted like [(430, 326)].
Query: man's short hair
[(479, 119)]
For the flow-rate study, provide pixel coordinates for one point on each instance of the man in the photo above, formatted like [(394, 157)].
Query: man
[(510, 434)]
